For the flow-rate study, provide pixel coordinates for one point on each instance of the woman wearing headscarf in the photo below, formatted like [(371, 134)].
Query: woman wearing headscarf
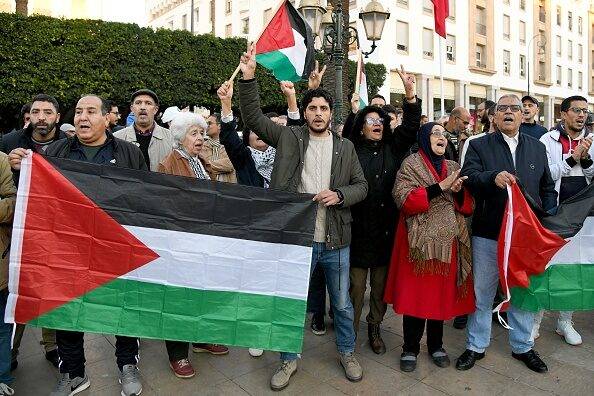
[(188, 131), (430, 276)]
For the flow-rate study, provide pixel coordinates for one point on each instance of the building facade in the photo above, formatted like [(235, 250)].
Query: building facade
[(493, 47)]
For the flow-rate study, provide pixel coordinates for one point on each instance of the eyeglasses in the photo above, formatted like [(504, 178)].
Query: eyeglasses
[(463, 122), (513, 108), (578, 110), (440, 134), (374, 121)]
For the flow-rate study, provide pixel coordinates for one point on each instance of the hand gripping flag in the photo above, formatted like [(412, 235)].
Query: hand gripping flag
[(117, 251), (286, 46)]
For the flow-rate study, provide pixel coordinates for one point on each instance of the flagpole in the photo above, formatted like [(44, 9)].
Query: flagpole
[(358, 76), (441, 74)]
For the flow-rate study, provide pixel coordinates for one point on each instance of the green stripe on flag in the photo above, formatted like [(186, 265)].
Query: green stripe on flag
[(151, 310), (562, 287), (279, 64)]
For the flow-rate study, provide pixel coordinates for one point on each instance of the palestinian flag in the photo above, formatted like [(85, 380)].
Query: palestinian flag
[(539, 268), (112, 250), (286, 46), (362, 83)]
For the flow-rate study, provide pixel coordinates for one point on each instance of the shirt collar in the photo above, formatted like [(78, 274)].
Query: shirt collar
[(510, 139), (147, 133)]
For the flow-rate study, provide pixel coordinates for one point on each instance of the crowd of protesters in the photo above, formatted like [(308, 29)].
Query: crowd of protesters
[(385, 187)]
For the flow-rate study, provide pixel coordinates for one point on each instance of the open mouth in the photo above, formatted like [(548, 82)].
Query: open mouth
[(441, 144), (508, 119), (526, 114), (377, 129)]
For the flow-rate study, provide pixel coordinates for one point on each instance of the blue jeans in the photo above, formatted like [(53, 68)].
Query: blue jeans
[(5, 338), (486, 278), (335, 264)]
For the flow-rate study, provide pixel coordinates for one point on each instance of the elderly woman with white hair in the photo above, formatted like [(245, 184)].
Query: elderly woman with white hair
[(188, 131)]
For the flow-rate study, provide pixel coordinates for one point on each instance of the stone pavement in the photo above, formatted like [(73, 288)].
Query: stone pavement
[(571, 369)]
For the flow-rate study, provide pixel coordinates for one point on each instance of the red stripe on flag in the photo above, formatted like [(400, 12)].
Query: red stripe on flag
[(441, 10), (278, 34), (70, 246)]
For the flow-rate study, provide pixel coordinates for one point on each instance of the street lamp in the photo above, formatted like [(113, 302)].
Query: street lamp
[(328, 23), (540, 43)]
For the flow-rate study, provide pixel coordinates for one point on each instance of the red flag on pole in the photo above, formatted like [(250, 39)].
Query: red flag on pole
[(441, 10)]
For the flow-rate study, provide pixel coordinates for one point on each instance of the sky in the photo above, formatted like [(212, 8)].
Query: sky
[(131, 11)]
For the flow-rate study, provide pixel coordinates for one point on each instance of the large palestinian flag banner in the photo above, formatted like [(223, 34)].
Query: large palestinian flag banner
[(112, 250), (286, 46), (548, 263)]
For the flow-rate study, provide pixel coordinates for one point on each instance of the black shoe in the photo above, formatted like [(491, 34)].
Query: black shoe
[(467, 359), (440, 358), (460, 322), (532, 361), (14, 364), (318, 327), (408, 362), (52, 357), (375, 339)]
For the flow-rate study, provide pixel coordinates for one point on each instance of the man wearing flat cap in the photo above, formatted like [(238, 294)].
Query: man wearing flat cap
[(154, 141), (529, 125)]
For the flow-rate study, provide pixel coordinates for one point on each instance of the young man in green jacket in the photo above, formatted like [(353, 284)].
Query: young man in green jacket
[(311, 159)]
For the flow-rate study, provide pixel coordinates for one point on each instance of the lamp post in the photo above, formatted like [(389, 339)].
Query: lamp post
[(328, 25), (540, 43)]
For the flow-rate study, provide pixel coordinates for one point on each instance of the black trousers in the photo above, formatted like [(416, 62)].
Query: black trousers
[(413, 329), (72, 353), (177, 350), (316, 296)]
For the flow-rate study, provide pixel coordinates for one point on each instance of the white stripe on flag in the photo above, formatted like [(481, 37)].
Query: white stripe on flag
[(297, 53), (208, 262), (579, 249), (509, 229)]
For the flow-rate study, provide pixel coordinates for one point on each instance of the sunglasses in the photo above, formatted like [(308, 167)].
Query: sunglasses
[(374, 121), (513, 108)]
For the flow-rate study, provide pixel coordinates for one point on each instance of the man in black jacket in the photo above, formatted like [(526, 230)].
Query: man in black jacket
[(92, 143), (493, 162)]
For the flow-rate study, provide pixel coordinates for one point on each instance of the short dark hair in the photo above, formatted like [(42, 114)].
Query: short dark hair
[(110, 103), (46, 98), (217, 117), (491, 110), (566, 104), (488, 104), (316, 93), (388, 108), (378, 96), (272, 114), (24, 110), (105, 107)]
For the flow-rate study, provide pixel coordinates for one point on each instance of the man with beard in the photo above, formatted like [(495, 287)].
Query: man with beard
[(37, 136), (310, 159), (113, 116), (530, 111), (456, 125), (493, 162), (482, 117), (154, 141)]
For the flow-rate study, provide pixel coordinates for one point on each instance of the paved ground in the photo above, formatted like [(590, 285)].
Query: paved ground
[(571, 369)]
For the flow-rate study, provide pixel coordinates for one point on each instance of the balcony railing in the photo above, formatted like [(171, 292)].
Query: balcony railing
[(481, 29)]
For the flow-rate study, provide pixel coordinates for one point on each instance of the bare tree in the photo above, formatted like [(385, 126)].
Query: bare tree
[(22, 7)]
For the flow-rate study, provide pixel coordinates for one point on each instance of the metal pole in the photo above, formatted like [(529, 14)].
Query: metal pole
[(338, 58), (441, 75), (192, 16)]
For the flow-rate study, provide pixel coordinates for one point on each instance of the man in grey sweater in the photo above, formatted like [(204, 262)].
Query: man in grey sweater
[(311, 159)]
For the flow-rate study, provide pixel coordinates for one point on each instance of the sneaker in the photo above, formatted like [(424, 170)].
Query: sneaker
[(283, 374), (352, 368), (182, 368), (52, 357), (131, 385), (69, 387), (254, 352), (318, 327), (6, 390), (213, 349), (565, 329)]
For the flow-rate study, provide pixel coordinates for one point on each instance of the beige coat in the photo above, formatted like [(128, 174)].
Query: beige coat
[(160, 146), (7, 202), (220, 169)]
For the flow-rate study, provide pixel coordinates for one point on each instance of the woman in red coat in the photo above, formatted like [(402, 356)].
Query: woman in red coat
[(430, 271)]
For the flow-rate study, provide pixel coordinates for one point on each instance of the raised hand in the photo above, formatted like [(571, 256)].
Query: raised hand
[(288, 88), (355, 102), (315, 77), (247, 63), (225, 91), (409, 81)]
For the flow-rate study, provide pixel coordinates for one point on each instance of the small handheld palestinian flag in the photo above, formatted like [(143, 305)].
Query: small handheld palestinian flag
[(112, 250), (361, 83), (286, 46), (539, 269)]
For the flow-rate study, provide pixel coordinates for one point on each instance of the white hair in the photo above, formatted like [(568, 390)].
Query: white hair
[(182, 122), (510, 96)]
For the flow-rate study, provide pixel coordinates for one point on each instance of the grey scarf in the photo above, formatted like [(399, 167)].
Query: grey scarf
[(195, 164)]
